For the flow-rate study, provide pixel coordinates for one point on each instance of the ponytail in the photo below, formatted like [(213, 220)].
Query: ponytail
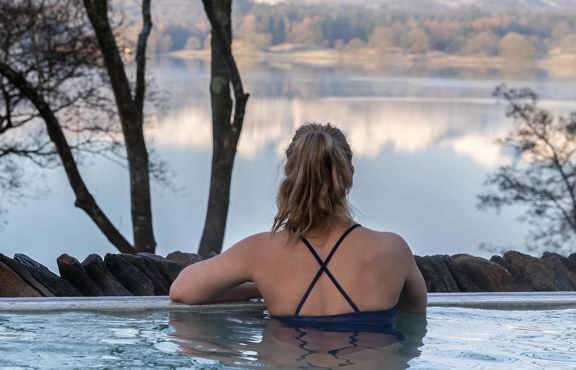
[(317, 177)]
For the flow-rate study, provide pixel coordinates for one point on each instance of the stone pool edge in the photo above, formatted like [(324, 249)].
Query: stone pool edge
[(503, 301)]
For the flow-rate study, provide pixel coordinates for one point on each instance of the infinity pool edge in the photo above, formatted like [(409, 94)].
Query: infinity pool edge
[(505, 301)]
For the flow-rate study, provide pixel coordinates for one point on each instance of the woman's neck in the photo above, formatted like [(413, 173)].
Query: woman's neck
[(323, 232)]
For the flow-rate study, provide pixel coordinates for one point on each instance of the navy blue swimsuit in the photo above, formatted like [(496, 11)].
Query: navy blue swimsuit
[(357, 321)]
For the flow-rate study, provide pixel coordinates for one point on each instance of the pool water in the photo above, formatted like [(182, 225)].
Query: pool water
[(450, 338)]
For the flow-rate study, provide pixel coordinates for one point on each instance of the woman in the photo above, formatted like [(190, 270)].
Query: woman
[(316, 267)]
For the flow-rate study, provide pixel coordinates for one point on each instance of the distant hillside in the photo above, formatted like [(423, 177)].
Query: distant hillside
[(488, 5), (443, 5), (521, 31), (194, 7)]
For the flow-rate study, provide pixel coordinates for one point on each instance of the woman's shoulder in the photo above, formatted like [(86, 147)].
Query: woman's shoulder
[(386, 242), (264, 239)]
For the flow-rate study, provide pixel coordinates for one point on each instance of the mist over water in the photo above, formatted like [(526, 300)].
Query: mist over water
[(423, 140)]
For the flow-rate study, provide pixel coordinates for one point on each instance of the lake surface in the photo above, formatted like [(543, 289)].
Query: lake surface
[(423, 140)]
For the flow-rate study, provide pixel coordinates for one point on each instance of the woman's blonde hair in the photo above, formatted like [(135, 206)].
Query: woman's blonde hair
[(317, 177)]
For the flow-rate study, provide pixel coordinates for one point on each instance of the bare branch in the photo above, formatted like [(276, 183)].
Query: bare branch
[(84, 199), (543, 176)]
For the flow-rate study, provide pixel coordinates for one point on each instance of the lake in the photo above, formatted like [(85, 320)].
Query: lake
[(423, 142)]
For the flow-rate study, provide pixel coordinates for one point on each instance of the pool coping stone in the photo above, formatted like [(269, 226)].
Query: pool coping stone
[(504, 301)]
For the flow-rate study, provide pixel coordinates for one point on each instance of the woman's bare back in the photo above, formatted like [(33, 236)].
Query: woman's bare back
[(371, 267)]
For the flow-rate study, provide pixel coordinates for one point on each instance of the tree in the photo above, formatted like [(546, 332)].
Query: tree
[(381, 40), (568, 43), (47, 64), (130, 105), (160, 43), (50, 74), (253, 35), (560, 31), (516, 47), (305, 31), (484, 43), (226, 127), (543, 176), (194, 43), (355, 44), (418, 41)]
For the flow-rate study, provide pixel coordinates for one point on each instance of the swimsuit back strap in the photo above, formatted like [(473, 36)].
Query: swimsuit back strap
[(324, 269)]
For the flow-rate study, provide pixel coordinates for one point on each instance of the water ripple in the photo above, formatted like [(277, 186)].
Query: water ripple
[(454, 338)]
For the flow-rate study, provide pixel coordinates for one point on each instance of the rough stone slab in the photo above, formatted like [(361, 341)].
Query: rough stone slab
[(12, 285), (529, 273), (168, 268), (58, 286), (160, 283), (95, 268), (183, 258), (476, 274), (23, 272), (437, 273), (504, 301), (129, 275), (564, 270), (72, 270)]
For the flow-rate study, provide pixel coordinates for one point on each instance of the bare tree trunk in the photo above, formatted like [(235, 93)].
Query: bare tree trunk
[(225, 128), (84, 199), (131, 112)]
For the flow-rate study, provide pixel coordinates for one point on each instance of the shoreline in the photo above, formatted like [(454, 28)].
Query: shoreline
[(557, 64)]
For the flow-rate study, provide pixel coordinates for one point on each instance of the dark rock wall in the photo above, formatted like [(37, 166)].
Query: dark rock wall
[(147, 274), (60, 287), (12, 285)]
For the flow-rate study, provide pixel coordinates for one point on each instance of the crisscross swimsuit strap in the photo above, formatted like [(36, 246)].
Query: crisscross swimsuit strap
[(324, 269)]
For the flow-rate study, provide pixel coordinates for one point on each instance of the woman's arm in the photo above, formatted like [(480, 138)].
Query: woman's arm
[(219, 278), (414, 296), (242, 292)]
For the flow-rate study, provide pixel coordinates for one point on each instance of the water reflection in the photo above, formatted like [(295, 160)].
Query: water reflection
[(252, 341), (293, 80), (377, 110), (372, 124)]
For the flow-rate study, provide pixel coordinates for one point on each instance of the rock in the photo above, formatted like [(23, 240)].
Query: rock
[(571, 263), (149, 268), (572, 258), (168, 268), (564, 270), (110, 286), (437, 273), (21, 270), (499, 260), (463, 280), (12, 285), (184, 259), (529, 273), (129, 275), (74, 272), (487, 276), (58, 286)]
